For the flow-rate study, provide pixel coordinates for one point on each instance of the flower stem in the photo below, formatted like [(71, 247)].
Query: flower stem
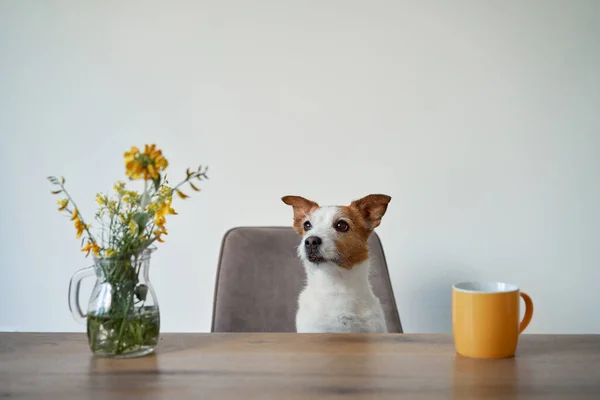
[(120, 338), (145, 195), (62, 186)]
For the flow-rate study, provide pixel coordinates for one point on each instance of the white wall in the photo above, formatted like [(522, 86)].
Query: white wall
[(480, 118)]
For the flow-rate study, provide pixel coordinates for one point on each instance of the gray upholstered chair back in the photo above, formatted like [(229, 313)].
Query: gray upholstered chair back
[(260, 276)]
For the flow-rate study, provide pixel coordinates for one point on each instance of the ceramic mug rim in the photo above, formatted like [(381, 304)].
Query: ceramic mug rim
[(485, 287)]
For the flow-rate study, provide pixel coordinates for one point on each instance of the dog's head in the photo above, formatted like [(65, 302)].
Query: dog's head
[(336, 234)]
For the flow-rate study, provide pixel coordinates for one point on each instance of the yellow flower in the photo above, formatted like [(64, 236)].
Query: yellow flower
[(110, 252), (101, 200), (93, 247), (131, 154), (130, 197), (119, 186), (79, 227), (160, 231), (160, 223), (182, 195), (148, 164), (133, 228), (133, 168), (63, 204), (160, 219), (152, 207), (151, 171), (165, 208)]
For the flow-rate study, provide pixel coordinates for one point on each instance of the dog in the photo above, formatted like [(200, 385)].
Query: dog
[(337, 297)]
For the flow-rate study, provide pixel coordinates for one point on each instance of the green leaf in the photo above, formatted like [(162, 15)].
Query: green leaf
[(141, 292), (141, 219)]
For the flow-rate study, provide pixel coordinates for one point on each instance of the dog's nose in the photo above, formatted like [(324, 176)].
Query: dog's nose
[(312, 241)]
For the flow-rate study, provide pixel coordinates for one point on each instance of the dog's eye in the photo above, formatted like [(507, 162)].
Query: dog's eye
[(307, 226), (342, 226)]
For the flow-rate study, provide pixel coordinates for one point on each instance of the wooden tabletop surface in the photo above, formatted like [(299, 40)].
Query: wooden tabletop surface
[(295, 366)]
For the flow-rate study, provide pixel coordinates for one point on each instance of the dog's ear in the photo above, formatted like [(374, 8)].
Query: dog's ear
[(372, 208), (302, 208)]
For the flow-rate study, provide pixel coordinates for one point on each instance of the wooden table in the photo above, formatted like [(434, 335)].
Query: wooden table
[(293, 366)]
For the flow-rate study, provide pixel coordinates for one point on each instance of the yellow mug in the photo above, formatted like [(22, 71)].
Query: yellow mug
[(485, 318)]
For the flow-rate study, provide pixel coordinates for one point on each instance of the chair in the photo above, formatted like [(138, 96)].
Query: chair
[(259, 278)]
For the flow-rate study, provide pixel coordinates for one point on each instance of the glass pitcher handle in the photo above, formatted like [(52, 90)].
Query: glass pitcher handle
[(74, 286)]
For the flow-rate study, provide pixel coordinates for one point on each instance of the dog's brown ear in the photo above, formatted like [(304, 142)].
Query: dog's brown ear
[(372, 208), (302, 208)]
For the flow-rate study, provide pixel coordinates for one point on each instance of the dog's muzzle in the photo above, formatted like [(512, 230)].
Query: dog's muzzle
[(312, 246)]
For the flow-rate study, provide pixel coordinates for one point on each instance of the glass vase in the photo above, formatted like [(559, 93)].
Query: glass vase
[(123, 318)]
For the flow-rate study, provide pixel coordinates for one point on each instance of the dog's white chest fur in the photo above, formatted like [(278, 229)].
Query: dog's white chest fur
[(337, 300)]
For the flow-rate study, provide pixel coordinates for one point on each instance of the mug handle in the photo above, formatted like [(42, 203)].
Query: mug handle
[(74, 286), (528, 311)]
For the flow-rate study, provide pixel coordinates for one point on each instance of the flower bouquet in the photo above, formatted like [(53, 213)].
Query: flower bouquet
[(123, 318)]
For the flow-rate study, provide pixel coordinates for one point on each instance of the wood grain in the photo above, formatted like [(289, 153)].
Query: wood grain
[(295, 366)]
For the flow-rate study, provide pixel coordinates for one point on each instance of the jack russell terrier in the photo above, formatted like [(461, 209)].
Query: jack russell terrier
[(338, 297)]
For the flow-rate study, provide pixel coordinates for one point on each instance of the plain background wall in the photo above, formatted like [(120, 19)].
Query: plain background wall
[(480, 118)]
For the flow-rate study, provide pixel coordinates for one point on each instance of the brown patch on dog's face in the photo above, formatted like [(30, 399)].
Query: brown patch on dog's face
[(362, 216), (352, 245), (302, 209)]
